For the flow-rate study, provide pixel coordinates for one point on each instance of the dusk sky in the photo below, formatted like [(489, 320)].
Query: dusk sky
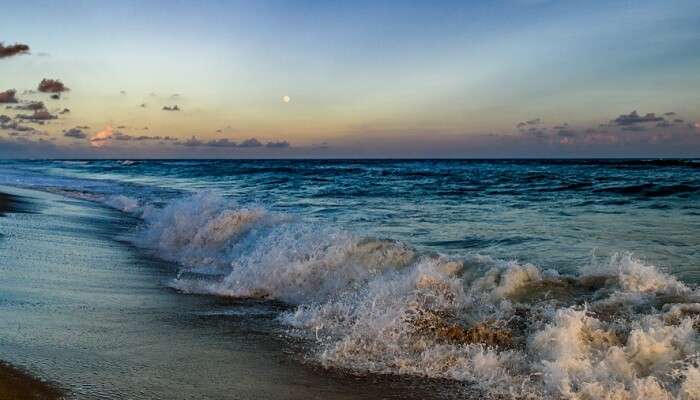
[(499, 78)]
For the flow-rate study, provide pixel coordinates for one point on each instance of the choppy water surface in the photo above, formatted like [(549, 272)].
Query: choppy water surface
[(522, 278)]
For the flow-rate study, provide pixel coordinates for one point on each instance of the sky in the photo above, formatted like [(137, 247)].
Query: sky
[(326, 79)]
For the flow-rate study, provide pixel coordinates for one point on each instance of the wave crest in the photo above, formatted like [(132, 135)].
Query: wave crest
[(619, 329)]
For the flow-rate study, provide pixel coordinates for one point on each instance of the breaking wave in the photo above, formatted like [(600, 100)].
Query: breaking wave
[(619, 329)]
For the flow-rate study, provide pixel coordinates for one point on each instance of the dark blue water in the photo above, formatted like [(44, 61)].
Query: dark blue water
[(554, 213)]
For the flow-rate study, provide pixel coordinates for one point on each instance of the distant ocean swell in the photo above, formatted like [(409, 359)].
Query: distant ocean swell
[(619, 329)]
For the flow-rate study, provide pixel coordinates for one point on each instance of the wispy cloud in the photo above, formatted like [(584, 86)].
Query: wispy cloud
[(75, 133), (98, 139)]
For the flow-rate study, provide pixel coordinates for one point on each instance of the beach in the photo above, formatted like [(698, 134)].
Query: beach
[(86, 310), (17, 385)]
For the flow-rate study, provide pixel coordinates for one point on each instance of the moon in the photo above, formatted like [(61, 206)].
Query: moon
[(286, 99)]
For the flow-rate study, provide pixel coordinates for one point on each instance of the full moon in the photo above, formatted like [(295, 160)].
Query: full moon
[(286, 99)]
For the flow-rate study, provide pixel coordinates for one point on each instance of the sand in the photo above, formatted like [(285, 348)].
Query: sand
[(18, 385)]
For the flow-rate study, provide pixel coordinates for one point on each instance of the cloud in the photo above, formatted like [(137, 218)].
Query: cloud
[(17, 129), (13, 50), (126, 137), (65, 111), (634, 118), (670, 113), (75, 133), (221, 143), (8, 96), (192, 142), (173, 108), (228, 143), (143, 105), (99, 139), (31, 106), (522, 125), (278, 145), (252, 142), (39, 115), (52, 86)]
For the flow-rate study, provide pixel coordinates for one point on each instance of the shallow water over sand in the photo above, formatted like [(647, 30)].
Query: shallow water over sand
[(90, 312)]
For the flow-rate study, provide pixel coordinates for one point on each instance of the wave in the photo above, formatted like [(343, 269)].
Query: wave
[(618, 329), (651, 189)]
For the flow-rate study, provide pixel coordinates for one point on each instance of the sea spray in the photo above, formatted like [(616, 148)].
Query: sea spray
[(620, 329)]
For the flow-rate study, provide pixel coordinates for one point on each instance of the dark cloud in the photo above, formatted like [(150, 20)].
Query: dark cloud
[(228, 143), (634, 128), (65, 111), (670, 113), (39, 115), (75, 133), (634, 118), (173, 108), (31, 106), (13, 50), (121, 136), (252, 142), (522, 125), (52, 86), (8, 96), (8, 125), (678, 121), (278, 145), (55, 96), (143, 105), (83, 127)]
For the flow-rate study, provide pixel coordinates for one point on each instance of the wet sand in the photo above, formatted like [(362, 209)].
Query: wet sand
[(18, 385), (84, 308)]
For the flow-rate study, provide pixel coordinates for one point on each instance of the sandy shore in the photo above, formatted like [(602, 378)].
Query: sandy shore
[(89, 311), (18, 385), (14, 383)]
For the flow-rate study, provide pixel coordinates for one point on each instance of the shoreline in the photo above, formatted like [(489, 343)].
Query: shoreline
[(89, 311), (17, 384)]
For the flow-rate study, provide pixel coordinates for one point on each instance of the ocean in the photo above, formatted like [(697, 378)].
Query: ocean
[(516, 278)]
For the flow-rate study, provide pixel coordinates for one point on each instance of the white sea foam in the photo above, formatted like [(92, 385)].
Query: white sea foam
[(122, 203), (620, 329)]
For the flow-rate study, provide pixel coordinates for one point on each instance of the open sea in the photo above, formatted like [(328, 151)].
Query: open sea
[(506, 278)]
